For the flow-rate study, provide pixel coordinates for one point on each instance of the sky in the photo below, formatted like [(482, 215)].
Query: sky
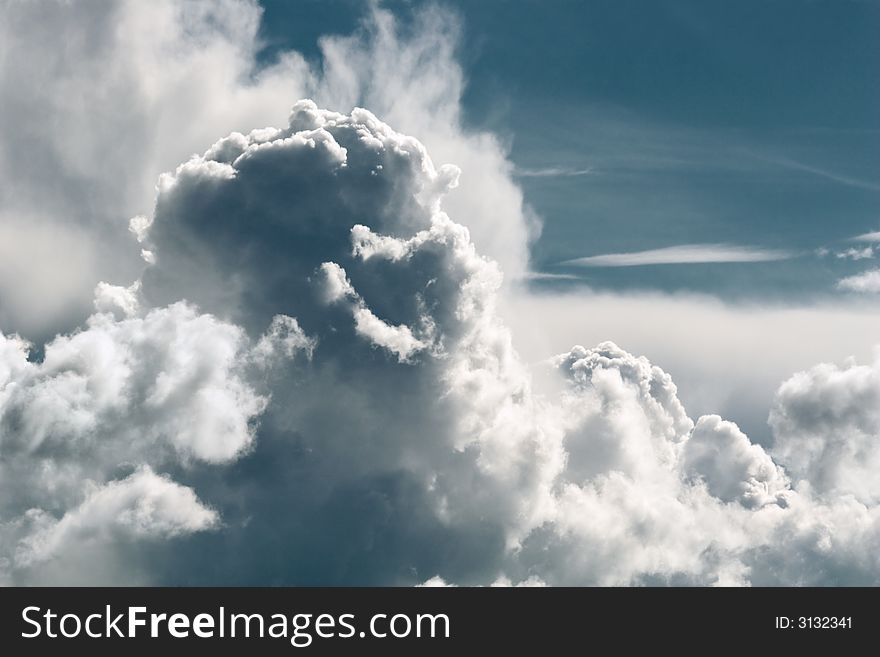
[(738, 143), (439, 294), (748, 124)]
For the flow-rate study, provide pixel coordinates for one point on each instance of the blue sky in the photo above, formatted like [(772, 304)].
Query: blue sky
[(647, 125)]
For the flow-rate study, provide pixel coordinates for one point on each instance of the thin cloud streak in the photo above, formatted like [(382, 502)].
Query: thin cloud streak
[(873, 236), (553, 172), (682, 254), (824, 173), (544, 276)]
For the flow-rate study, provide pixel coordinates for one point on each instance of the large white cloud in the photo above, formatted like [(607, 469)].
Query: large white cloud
[(102, 98), (353, 242), (310, 378), (414, 429)]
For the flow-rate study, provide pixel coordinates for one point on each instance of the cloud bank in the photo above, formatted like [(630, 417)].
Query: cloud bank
[(311, 382)]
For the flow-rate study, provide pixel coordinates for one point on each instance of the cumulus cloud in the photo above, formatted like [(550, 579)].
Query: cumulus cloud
[(827, 427), (167, 387), (627, 415), (733, 468), (171, 378), (439, 582), (867, 282), (310, 379), (412, 79), (141, 506), (171, 386), (415, 429), (707, 344), (189, 72), (342, 307)]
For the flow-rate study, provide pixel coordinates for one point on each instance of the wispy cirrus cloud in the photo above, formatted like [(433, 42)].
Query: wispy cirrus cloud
[(683, 254), (821, 172), (547, 276), (873, 236), (553, 172)]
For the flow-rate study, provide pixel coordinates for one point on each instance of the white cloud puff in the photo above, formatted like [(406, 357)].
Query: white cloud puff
[(167, 388), (142, 506), (733, 468), (170, 378), (867, 282), (826, 421)]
